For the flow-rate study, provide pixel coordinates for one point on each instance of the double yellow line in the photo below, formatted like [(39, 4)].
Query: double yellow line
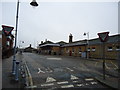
[(29, 80)]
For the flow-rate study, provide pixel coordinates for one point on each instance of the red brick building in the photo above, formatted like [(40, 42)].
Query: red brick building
[(7, 45), (81, 48)]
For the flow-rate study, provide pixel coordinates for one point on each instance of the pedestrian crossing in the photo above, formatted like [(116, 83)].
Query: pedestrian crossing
[(65, 77), (71, 82)]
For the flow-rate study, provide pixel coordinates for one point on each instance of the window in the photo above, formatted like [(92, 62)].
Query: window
[(79, 50), (110, 48), (88, 49), (67, 51), (117, 48), (72, 50), (93, 49), (0, 36)]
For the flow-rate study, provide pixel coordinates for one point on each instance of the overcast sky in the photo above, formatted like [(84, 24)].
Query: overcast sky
[(54, 21)]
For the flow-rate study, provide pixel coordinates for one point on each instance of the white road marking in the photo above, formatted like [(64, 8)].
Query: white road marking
[(40, 71), (50, 84), (80, 85), (74, 77), (89, 79), (62, 82), (107, 66), (93, 82), (67, 86), (69, 69), (48, 70), (50, 79), (54, 58), (114, 65), (86, 84), (31, 87)]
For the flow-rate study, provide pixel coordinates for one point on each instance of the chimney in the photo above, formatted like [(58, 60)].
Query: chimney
[(45, 40), (30, 46), (41, 42), (70, 38)]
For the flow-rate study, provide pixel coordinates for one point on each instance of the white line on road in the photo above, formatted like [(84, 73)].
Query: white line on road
[(114, 65), (62, 82), (89, 79), (93, 82), (86, 84), (50, 84), (67, 86), (40, 71), (80, 85), (54, 58), (69, 69), (106, 66), (74, 77)]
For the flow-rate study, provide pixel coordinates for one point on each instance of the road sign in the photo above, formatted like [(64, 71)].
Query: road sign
[(103, 36), (7, 29)]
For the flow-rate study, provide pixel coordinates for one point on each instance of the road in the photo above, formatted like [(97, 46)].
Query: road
[(63, 72)]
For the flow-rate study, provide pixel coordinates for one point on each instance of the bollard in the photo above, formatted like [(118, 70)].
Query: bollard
[(17, 71), (14, 67)]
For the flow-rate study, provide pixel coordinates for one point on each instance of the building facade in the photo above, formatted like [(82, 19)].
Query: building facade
[(7, 45), (81, 48)]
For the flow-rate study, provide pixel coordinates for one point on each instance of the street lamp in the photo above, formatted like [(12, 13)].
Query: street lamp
[(87, 43), (33, 3)]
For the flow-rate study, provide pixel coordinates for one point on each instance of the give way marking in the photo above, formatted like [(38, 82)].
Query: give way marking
[(50, 79)]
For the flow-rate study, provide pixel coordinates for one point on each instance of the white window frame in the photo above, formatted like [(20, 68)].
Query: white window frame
[(8, 43), (108, 49), (88, 49), (93, 49), (73, 50)]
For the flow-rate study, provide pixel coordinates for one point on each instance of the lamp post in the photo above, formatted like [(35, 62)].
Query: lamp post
[(87, 43), (33, 3)]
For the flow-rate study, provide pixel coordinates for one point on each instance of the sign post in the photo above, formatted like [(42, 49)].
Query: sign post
[(103, 37)]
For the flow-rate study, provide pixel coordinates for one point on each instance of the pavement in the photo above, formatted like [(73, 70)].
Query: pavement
[(8, 80), (112, 78), (109, 81)]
